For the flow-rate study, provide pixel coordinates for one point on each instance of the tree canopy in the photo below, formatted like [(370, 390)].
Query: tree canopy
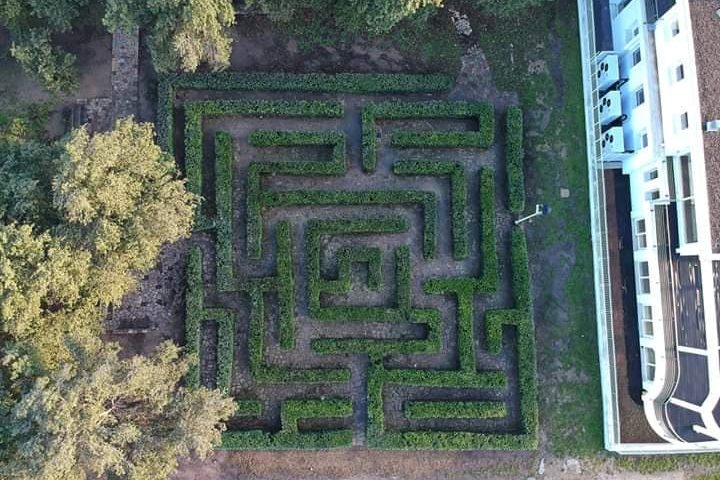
[(182, 33), (506, 8), (69, 406), (363, 16), (100, 415), (116, 200)]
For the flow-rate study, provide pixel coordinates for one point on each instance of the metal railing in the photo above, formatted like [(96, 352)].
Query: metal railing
[(598, 220)]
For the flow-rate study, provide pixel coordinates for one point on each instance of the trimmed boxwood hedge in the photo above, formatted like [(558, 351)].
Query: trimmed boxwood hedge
[(271, 368), (195, 112), (276, 199), (454, 409), (225, 252), (318, 228), (346, 257), (458, 195), (290, 436), (521, 318), (372, 112), (488, 281), (514, 159), (285, 82), (196, 314)]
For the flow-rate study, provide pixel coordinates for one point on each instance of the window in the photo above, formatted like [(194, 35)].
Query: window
[(644, 277), (640, 234), (684, 121), (636, 57), (651, 175), (679, 72), (642, 140), (652, 195), (648, 357), (687, 200), (646, 320), (675, 28), (639, 96), (632, 32)]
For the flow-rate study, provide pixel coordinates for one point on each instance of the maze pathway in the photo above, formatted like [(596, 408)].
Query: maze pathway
[(354, 278)]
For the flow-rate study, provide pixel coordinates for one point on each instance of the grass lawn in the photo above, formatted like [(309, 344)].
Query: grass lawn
[(538, 56)]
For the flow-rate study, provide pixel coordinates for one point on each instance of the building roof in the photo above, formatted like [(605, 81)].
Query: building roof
[(706, 32)]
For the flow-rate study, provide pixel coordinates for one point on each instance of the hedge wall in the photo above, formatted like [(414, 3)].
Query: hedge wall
[(372, 112), (283, 82), (514, 158)]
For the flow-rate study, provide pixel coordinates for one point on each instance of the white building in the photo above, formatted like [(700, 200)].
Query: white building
[(652, 88)]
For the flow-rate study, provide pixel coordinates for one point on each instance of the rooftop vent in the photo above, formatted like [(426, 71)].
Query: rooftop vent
[(713, 126)]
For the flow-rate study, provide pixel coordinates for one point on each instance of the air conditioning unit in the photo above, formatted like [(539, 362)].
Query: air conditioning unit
[(608, 71), (613, 143), (610, 107)]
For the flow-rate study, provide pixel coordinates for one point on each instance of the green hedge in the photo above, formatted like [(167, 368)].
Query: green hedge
[(521, 318), (254, 199), (398, 110), (263, 372), (195, 112), (346, 198), (454, 409), (318, 228), (249, 408), (514, 158), (458, 195), (347, 256), (290, 437), (224, 159), (196, 314), (282, 82), (488, 280), (286, 287), (405, 139)]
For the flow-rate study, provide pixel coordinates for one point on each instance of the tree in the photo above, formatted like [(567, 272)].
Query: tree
[(24, 184), (49, 65), (371, 16), (43, 292), (506, 8), (183, 33), (100, 415), (120, 198), (117, 200)]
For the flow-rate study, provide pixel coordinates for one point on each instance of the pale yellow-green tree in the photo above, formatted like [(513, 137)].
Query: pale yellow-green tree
[(183, 34), (117, 199), (100, 415), (120, 198), (42, 280)]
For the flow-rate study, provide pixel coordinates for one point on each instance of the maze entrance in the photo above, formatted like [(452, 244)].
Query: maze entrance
[(354, 278)]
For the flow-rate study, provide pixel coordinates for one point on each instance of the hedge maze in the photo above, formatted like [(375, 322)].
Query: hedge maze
[(355, 278)]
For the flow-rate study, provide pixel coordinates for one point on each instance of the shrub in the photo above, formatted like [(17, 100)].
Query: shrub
[(372, 112), (197, 111), (488, 280), (340, 198), (514, 156), (196, 314), (224, 158), (286, 82), (449, 409), (458, 195)]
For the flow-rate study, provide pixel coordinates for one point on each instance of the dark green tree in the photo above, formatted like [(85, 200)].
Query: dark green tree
[(506, 8), (326, 18)]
